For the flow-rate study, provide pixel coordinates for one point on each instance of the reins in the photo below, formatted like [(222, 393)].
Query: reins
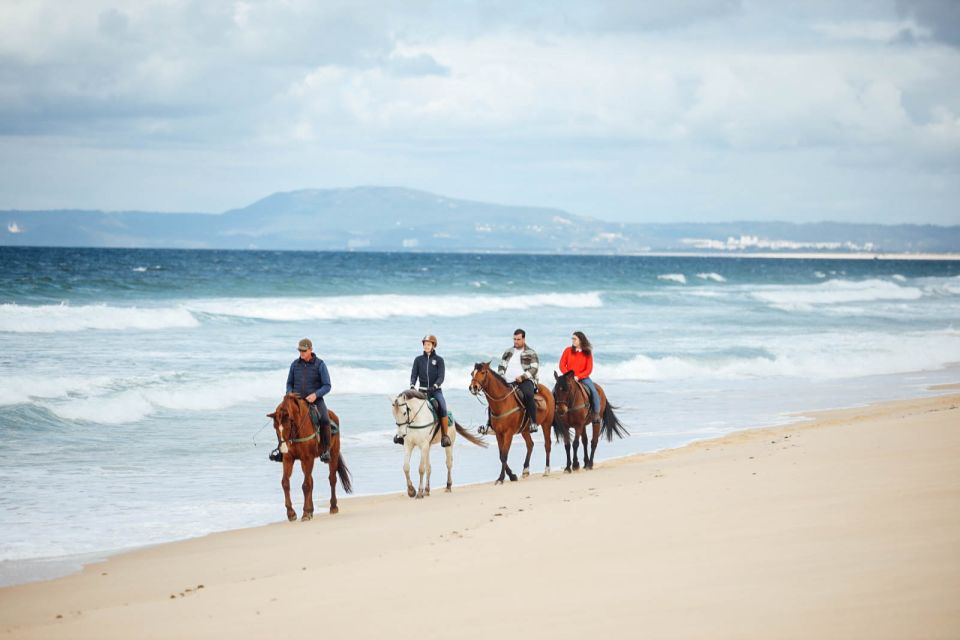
[(410, 420), (513, 391)]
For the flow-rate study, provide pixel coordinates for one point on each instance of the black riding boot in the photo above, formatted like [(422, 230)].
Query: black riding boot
[(325, 438)]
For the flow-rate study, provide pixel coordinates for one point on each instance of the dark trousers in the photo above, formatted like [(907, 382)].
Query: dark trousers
[(437, 394), (529, 391), (321, 422)]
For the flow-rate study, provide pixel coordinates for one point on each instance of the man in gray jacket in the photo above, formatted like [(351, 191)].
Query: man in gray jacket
[(519, 366)]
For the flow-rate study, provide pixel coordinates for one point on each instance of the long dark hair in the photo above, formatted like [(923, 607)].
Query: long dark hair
[(585, 345)]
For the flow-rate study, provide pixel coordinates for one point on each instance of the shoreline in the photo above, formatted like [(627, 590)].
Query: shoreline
[(828, 485)]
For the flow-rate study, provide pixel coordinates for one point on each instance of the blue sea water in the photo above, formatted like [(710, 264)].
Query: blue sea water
[(134, 383)]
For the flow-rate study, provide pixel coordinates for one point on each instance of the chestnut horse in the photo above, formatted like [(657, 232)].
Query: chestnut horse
[(299, 441), (508, 417), (573, 412)]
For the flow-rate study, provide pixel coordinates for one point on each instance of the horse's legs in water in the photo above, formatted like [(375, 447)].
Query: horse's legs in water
[(407, 451), (285, 483), (528, 439), (306, 465), (449, 453), (424, 460)]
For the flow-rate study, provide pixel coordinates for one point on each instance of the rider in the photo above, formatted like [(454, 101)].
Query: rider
[(579, 358), (428, 370), (309, 379), (519, 366)]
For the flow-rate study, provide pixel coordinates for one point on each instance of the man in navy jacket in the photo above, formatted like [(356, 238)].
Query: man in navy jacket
[(309, 379)]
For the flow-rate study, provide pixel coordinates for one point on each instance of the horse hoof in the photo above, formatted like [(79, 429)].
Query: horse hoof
[(513, 477), (448, 490), (426, 493), (292, 518), (334, 510), (526, 473), (419, 496), (498, 482), (411, 492), (306, 516), (546, 472), (567, 470)]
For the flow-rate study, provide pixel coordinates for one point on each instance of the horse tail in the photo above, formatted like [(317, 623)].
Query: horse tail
[(560, 428), (344, 473), (612, 425), (480, 442)]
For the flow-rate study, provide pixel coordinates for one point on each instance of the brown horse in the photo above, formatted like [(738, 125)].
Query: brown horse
[(573, 412), (300, 441), (508, 417)]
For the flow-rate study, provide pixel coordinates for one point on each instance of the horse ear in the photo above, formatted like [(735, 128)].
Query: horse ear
[(555, 376), (272, 415)]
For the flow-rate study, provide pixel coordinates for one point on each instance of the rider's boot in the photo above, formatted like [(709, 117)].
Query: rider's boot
[(534, 427), (325, 438), (444, 439)]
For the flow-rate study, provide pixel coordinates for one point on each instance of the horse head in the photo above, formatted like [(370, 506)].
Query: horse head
[(562, 392), (287, 416), (479, 377)]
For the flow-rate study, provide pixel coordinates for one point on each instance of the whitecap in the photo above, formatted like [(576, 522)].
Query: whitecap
[(15, 318), (806, 297), (716, 277), (673, 277)]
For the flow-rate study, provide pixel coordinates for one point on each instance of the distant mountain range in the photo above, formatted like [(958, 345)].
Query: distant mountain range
[(396, 219)]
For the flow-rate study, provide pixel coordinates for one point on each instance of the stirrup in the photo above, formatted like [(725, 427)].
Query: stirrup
[(397, 439), (533, 427), (325, 456), (276, 456), (483, 429)]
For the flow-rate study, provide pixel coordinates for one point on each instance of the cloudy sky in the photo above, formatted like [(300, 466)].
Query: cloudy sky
[(694, 110)]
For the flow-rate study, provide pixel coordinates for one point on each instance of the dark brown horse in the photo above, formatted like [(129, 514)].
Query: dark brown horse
[(573, 412), (508, 417), (300, 441)]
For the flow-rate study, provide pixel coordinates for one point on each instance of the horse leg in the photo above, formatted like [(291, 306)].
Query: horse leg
[(306, 465), (333, 465), (576, 447), (407, 451), (429, 467), (285, 483), (546, 447), (528, 439), (424, 452), (586, 450), (504, 448), (593, 442), (449, 452), (507, 441)]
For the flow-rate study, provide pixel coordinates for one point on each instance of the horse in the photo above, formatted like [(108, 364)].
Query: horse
[(419, 427), (508, 417), (299, 440), (573, 412)]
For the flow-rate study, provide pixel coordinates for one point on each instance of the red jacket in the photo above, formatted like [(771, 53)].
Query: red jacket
[(577, 361)]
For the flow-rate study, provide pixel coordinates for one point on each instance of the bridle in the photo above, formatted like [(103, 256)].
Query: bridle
[(293, 428), (408, 423), (476, 387), (562, 408)]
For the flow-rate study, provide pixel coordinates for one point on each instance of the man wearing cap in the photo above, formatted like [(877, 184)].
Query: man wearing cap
[(428, 371), (309, 379)]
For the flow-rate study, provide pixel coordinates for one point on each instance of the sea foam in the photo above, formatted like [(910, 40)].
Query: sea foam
[(57, 318), (673, 277), (806, 297)]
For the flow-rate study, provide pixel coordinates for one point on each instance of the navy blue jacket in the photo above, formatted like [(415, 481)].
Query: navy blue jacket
[(308, 377), (427, 372)]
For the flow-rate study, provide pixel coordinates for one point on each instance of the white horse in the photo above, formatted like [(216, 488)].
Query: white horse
[(419, 427)]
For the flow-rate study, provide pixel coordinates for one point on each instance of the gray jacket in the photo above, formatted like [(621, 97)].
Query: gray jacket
[(528, 360)]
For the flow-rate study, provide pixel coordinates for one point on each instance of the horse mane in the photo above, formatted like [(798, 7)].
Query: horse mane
[(413, 393), (481, 365)]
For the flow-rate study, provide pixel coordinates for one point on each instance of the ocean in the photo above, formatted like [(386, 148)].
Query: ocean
[(134, 384)]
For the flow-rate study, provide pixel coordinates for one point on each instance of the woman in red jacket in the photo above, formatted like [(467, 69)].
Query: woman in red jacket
[(579, 358)]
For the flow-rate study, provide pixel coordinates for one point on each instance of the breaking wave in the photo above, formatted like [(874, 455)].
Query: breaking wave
[(806, 297), (673, 277), (56, 318)]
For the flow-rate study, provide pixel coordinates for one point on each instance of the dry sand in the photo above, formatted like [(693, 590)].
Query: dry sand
[(846, 527)]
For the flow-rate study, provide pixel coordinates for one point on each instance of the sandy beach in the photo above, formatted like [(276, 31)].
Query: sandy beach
[(846, 526)]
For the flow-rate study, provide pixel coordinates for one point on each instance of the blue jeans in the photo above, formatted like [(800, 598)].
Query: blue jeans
[(594, 396), (438, 395)]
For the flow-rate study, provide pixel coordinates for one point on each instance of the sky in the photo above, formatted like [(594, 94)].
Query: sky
[(688, 110)]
